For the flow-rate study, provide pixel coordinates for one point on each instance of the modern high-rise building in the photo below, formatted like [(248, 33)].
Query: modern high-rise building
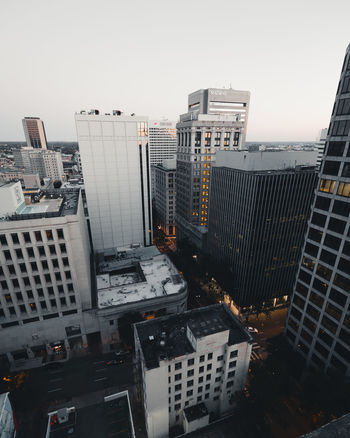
[(44, 272), (216, 120), (192, 364), (320, 144), (44, 162), (260, 203), (115, 161), (318, 324), (162, 140), (165, 195), (34, 132)]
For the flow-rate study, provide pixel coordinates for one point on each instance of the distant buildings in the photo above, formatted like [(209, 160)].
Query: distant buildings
[(7, 419), (320, 144), (260, 203), (216, 120), (192, 364), (44, 274), (34, 132), (318, 324), (165, 195), (115, 159), (11, 173), (45, 163)]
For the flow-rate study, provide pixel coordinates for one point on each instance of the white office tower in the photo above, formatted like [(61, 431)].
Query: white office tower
[(34, 132), (320, 144), (114, 154), (216, 120), (162, 140), (44, 272), (192, 364), (45, 163)]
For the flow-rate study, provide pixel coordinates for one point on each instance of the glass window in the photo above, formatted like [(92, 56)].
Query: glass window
[(3, 239), (15, 238), (26, 237), (327, 185), (315, 235), (38, 236), (344, 189), (190, 362)]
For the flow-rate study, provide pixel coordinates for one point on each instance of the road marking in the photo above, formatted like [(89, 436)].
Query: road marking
[(102, 378), (100, 369), (56, 380), (100, 361), (54, 390)]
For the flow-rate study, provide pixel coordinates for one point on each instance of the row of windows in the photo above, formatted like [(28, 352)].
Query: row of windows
[(15, 237), (34, 266), (190, 362), (37, 280)]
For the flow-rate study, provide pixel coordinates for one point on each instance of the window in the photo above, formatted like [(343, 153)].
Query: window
[(177, 397), (22, 267), (323, 203), (15, 238), (232, 364), (70, 287), (178, 387), (50, 290), (60, 234), (177, 376), (217, 379), (26, 281), (336, 225), (38, 237), (229, 384), (52, 249), (327, 185), (178, 366), (190, 373), (201, 359), (60, 289), (220, 358), (331, 167), (43, 305), (344, 189), (209, 366), (189, 393), (58, 276), (63, 248), (208, 377), (48, 278), (199, 398), (41, 250), (342, 208), (55, 263), (332, 242), (45, 265), (72, 300), (7, 255), (207, 386), (219, 370), (206, 396), (200, 379), (65, 261), (26, 237), (68, 277), (336, 148), (15, 283), (190, 362), (200, 388), (210, 356), (318, 219), (216, 398), (30, 252), (231, 374), (189, 383), (217, 389), (3, 239), (49, 235), (177, 406), (233, 354)]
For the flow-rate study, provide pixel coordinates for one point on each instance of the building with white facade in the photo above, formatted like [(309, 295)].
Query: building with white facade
[(116, 166), (46, 163), (34, 132), (77, 160), (164, 190), (216, 120), (7, 419), (320, 144), (139, 280), (198, 357), (45, 285)]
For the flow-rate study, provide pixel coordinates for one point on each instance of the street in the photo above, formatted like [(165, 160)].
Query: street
[(47, 388)]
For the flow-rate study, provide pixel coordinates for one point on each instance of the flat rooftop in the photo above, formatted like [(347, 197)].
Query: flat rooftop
[(102, 420), (172, 330), (266, 161), (51, 204), (195, 412), (138, 276)]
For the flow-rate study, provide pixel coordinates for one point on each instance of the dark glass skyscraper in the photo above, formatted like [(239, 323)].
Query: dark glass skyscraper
[(318, 324), (260, 203)]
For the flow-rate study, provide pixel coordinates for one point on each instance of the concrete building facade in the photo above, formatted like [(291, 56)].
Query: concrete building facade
[(45, 163), (260, 203), (199, 357), (216, 120), (115, 160), (165, 196), (318, 324), (45, 284), (34, 132), (320, 144)]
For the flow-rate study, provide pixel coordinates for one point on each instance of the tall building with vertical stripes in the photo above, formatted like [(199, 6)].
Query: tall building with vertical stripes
[(216, 120), (34, 132), (259, 206), (115, 161), (318, 324)]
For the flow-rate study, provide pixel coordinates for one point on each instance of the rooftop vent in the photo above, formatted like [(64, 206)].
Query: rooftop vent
[(117, 112), (62, 415)]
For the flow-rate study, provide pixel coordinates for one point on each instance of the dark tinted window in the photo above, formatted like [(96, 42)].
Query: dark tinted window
[(311, 249), (342, 208), (322, 203), (318, 219), (332, 242), (336, 225), (331, 167), (315, 235), (336, 148)]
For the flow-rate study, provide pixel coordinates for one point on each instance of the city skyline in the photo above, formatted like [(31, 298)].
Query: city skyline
[(112, 60)]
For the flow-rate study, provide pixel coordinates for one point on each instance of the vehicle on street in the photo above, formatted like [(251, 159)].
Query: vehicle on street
[(252, 330), (115, 362)]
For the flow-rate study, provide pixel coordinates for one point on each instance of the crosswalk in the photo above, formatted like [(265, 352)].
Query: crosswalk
[(254, 354)]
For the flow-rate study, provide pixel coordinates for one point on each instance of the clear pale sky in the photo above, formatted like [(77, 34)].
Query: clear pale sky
[(58, 57)]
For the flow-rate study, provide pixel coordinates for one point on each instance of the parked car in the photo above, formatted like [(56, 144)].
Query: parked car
[(253, 330)]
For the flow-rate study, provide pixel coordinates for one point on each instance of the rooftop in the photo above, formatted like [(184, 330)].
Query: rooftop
[(166, 338), (112, 417), (135, 275), (266, 161), (339, 428), (195, 412)]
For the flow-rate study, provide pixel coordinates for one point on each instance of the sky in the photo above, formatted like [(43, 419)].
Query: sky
[(59, 57)]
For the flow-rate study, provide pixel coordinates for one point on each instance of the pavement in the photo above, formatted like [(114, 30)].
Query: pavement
[(83, 380)]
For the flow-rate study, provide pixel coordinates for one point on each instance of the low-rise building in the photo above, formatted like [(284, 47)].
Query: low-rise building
[(139, 280), (11, 173), (165, 195), (200, 357)]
